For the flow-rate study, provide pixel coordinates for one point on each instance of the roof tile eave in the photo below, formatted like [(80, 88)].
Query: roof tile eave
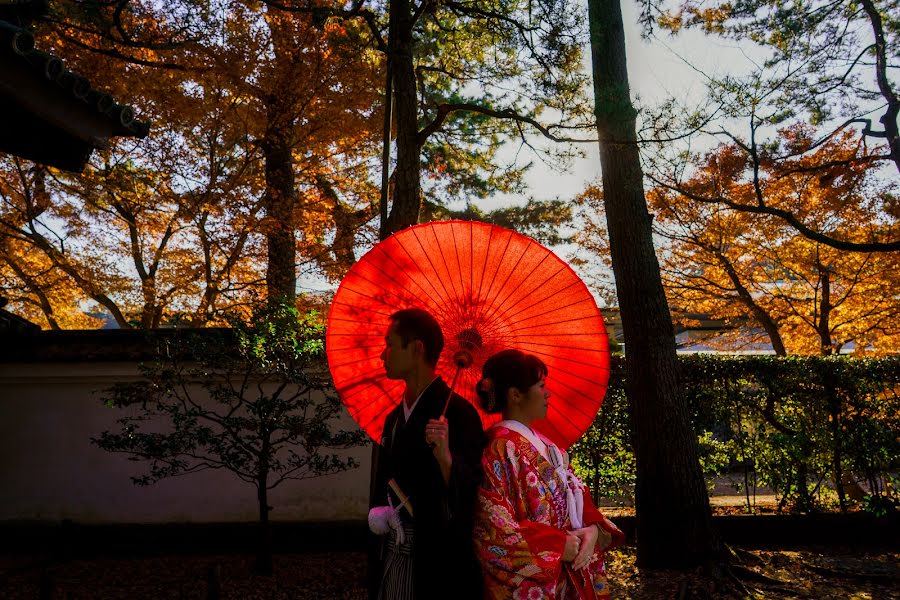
[(20, 43)]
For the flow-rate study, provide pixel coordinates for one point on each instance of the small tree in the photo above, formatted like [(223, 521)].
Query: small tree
[(255, 400)]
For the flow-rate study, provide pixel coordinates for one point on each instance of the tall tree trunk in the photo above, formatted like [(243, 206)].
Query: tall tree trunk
[(674, 525), (824, 324), (280, 201), (387, 125), (407, 200)]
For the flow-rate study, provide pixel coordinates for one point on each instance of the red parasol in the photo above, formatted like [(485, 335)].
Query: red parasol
[(490, 289)]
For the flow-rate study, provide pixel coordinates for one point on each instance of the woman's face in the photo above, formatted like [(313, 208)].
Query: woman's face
[(533, 403)]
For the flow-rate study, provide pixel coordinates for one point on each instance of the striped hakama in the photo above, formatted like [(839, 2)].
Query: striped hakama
[(397, 582)]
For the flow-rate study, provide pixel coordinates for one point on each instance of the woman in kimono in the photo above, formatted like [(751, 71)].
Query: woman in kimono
[(537, 532)]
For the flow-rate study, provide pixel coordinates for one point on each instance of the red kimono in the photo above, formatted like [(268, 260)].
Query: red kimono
[(521, 520)]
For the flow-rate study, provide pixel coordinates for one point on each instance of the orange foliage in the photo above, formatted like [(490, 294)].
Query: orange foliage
[(174, 225), (744, 267)]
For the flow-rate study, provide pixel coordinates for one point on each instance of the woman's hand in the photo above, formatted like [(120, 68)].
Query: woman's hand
[(571, 550), (588, 538), (606, 538)]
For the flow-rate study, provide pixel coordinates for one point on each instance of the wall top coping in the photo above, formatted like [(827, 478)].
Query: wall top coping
[(101, 345)]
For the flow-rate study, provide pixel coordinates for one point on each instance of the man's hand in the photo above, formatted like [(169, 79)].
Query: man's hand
[(437, 434)]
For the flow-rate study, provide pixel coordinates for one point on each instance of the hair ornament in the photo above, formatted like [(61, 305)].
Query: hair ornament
[(487, 385)]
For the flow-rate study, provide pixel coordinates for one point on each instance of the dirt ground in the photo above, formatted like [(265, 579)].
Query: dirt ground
[(820, 573)]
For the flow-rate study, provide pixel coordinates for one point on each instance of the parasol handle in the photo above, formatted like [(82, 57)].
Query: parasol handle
[(462, 360)]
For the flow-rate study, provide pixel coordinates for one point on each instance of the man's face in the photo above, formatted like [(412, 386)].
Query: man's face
[(398, 360)]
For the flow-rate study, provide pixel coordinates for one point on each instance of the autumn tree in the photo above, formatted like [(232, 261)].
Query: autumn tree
[(591, 253), (188, 220), (37, 290), (808, 297), (123, 237), (303, 90), (827, 64), (23, 215)]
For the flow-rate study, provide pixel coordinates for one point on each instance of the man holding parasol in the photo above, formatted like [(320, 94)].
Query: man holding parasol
[(425, 474)]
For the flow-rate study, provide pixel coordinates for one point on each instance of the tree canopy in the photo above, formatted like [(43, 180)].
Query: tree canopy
[(179, 225), (830, 65), (759, 272)]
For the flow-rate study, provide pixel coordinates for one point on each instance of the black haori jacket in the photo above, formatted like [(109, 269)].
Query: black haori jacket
[(444, 562)]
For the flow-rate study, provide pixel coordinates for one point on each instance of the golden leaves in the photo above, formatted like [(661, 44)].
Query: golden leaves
[(173, 225), (757, 270)]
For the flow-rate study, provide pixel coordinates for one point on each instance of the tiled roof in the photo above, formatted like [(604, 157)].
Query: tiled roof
[(41, 98)]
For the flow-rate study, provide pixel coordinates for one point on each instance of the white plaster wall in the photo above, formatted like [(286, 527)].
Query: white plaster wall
[(50, 471)]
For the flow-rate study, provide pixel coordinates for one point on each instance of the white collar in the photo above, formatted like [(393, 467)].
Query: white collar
[(537, 440), (407, 411)]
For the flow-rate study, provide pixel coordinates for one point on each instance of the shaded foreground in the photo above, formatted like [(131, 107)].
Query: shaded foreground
[(804, 572)]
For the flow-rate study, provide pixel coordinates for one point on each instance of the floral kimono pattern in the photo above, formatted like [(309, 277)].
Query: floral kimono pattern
[(521, 521)]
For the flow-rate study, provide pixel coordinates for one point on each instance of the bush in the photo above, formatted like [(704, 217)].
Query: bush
[(816, 430)]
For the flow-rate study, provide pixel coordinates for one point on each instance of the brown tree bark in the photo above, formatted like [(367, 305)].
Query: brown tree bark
[(824, 322), (674, 526), (407, 197), (280, 198), (280, 201), (264, 564)]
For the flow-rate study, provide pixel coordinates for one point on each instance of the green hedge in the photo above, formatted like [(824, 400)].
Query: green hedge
[(796, 425)]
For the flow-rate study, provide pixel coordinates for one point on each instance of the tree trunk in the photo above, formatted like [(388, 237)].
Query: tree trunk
[(264, 545), (280, 200), (387, 125), (835, 410), (149, 308), (762, 317), (264, 542), (407, 200), (804, 499), (674, 524), (824, 324)]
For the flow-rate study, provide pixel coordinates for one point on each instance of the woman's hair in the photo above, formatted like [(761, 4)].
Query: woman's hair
[(504, 370)]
